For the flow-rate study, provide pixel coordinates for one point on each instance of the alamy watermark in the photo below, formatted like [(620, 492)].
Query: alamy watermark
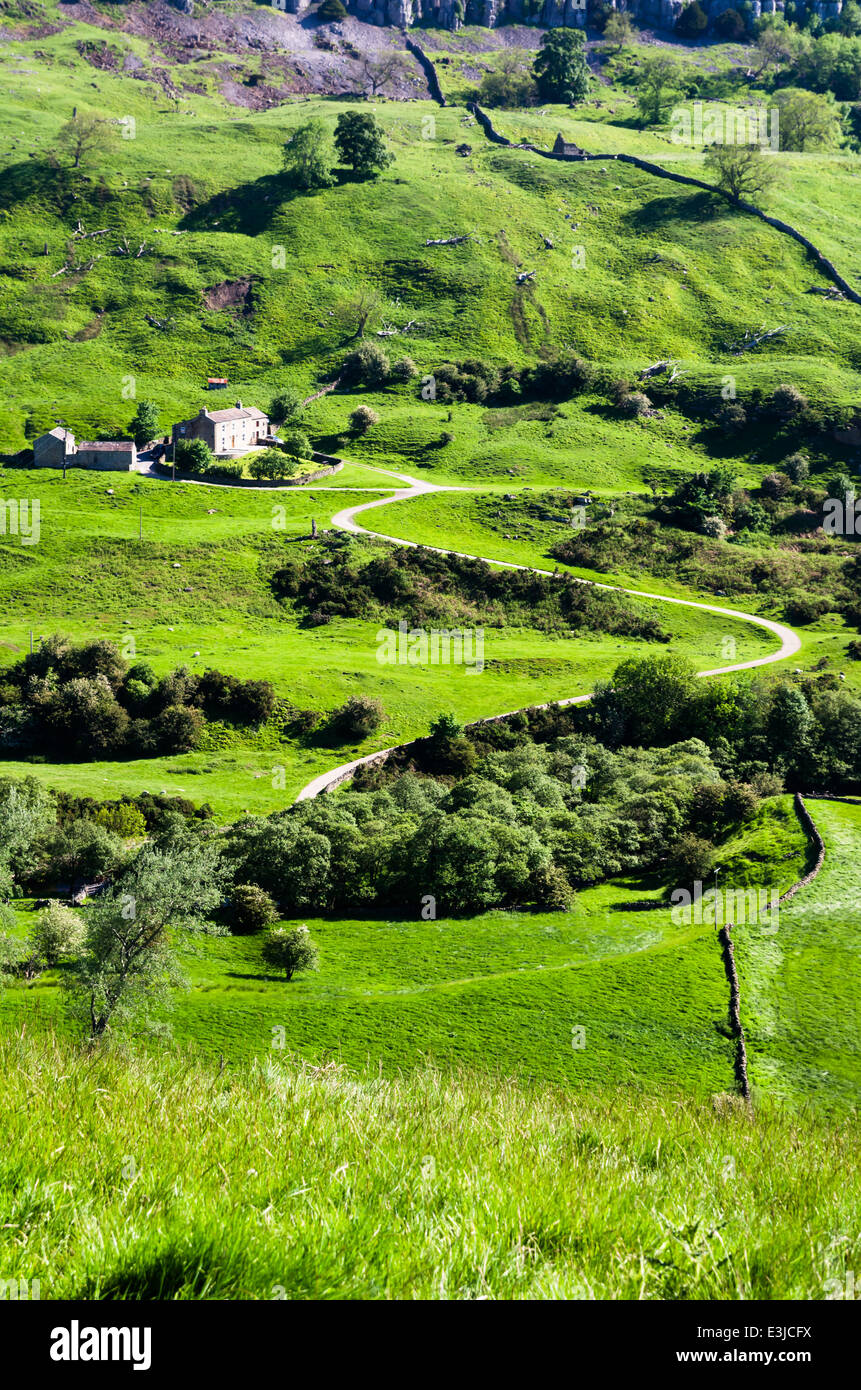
[(21, 517), (716, 906), (417, 646), (725, 125)]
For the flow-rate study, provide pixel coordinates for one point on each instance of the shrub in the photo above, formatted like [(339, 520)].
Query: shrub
[(635, 404), (797, 467), (330, 11), (805, 608), (713, 526), (691, 859), (178, 729), (286, 406), (358, 717), (192, 455), (296, 444), (251, 909), (368, 365), (403, 370), (290, 950), (787, 401), (272, 464), (58, 931), (362, 418), (776, 485), (731, 417), (123, 819)]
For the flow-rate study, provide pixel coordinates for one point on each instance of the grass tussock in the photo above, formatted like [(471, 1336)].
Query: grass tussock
[(126, 1177)]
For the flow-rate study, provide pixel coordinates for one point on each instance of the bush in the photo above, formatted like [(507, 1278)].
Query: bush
[(368, 365), (731, 418), (358, 717), (296, 444), (787, 401), (797, 467), (58, 931), (362, 418), (776, 486), (178, 729), (691, 860), (403, 370), (272, 464), (290, 950), (330, 11), (635, 404), (251, 909), (123, 819), (286, 406), (713, 526), (193, 455)]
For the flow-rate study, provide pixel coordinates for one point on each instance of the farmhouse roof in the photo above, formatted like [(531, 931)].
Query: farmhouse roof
[(223, 417)]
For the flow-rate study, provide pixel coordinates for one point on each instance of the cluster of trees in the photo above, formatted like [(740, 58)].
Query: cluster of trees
[(559, 73), (359, 142), (87, 702), (524, 826), (278, 461), (556, 378), (370, 365), (426, 588)]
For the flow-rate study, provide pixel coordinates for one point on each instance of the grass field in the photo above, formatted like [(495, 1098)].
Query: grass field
[(396, 1123), (124, 1179)]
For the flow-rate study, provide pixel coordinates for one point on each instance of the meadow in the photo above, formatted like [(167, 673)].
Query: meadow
[(394, 1124)]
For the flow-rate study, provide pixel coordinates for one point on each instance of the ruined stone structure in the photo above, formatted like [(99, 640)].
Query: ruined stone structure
[(546, 14)]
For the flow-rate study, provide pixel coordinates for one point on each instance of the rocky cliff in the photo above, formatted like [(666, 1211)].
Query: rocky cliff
[(547, 14)]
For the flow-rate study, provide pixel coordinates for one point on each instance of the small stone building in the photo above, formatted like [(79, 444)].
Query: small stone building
[(57, 449), (566, 147), (225, 431)]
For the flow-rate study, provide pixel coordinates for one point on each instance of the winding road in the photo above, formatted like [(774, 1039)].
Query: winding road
[(345, 520)]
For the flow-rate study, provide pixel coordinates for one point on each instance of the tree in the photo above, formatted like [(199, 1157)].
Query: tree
[(26, 812), (741, 171), (619, 29), (251, 908), (377, 70), (296, 444), (730, 25), (331, 11), (786, 401), (84, 138), (355, 313), (58, 931), (362, 418), (509, 84), (692, 21), (806, 120), (403, 370), (776, 45), (80, 851), (193, 455), (658, 82), (286, 406), (358, 717), (654, 693), (272, 464), (144, 425), (560, 69), (306, 157), (692, 860), (360, 144), (129, 964), (290, 949)]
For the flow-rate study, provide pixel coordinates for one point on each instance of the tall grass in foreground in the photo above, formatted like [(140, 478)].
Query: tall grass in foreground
[(142, 1177)]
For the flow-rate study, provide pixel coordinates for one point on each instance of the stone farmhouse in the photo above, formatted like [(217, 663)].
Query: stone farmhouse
[(57, 449), (225, 431)]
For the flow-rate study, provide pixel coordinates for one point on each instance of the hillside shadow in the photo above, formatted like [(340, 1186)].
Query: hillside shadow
[(34, 180), (248, 208), (697, 206)]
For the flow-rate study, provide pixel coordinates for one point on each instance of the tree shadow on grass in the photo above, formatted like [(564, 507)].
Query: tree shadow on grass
[(661, 212), (248, 208)]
